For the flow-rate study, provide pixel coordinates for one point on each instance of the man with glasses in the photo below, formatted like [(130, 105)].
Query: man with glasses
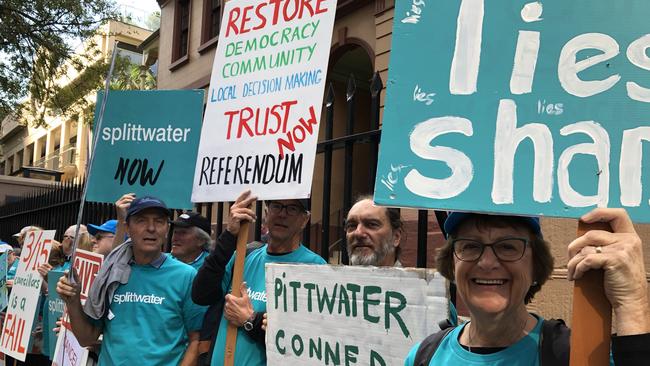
[(286, 220), (103, 236)]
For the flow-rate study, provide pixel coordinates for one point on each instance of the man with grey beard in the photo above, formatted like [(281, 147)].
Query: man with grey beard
[(373, 234)]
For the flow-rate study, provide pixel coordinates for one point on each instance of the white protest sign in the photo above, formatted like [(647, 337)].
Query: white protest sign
[(345, 315), (68, 352), (25, 293), (261, 120)]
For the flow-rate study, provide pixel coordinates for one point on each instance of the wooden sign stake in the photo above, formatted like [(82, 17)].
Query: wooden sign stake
[(592, 314), (237, 274)]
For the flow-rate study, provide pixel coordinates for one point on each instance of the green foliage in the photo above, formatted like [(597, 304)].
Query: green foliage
[(35, 38)]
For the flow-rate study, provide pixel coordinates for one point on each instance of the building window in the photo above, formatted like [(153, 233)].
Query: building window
[(181, 31), (211, 24)]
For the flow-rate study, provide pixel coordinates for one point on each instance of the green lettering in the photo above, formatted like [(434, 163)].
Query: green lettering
[(295, 285), (316, 349), (297, 351), (326, 299), (374, 356), (394, 311), (350, 354), (367, 302), (309, 287), (278, 290), (278, 335), (344, 300), (332, 354), (354, 289)]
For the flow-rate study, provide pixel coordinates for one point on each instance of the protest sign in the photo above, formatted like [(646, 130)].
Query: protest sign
[(264, 102), (510, 108), (25, 293), (68, 352), (54, 308), (340, 315), (147, 145), (3, 280)]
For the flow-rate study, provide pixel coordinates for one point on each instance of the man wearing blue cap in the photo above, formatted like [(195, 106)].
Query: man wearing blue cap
[(103, 236), (150, 318)]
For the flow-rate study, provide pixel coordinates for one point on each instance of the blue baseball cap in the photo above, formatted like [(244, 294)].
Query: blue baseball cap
[(142, 203), (456, 218), (109, 226)]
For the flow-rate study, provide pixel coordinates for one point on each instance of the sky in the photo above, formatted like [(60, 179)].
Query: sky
[(138, 9)]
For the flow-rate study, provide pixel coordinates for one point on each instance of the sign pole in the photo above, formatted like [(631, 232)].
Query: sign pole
[(591, 322), (237, 277)]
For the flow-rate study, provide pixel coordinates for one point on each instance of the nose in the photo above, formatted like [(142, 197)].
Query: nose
[(488, 259)]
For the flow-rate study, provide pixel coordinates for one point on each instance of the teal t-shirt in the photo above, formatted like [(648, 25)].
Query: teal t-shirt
[(11, 272), (451, 353), (150, 316), (196, 263), (248, 352)]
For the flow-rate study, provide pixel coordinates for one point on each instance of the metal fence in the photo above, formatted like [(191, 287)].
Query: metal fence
[(56, 207)]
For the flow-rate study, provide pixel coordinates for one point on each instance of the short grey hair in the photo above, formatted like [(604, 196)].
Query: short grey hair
[(203, 237)]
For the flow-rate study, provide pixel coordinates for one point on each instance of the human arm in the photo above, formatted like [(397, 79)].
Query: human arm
[(206, 288), (620, 255), (86, 332), (191, 355), (121, 207)]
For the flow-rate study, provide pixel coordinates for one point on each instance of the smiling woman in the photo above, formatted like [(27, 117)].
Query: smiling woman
[(498, 264)]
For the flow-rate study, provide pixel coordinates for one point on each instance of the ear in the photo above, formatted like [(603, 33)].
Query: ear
[(306, 220), (397, 236)]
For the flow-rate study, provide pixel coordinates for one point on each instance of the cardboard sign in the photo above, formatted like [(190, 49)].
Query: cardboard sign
[(264, 102), (68, 350), (25, 293), (511, 108), (54, 308), (344, 315), (3, 281), (147, 145)]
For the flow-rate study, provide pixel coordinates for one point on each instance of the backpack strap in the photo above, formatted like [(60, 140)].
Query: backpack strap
[(554, 343), (429, 346)]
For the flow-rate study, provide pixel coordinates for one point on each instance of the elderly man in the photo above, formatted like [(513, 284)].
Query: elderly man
[(150, 318), (103, 236), (373, 234), (191, 239), (286, 220)]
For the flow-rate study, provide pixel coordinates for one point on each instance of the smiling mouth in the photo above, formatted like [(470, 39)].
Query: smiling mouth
[(488, 282)]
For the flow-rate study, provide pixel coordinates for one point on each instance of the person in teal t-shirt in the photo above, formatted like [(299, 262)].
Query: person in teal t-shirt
[(191, 239), (500, 262), (286, 219), (151, 319)]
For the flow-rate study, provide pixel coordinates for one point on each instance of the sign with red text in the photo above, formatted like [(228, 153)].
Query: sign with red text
[(25, 293), (68, 350), (264, 104), (87, 265), (379, 313)]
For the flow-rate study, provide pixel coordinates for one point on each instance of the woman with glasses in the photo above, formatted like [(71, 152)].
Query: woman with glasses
[(498, 263)]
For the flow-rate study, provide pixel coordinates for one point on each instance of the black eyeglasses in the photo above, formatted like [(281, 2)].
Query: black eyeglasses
[(68, 237), (506, 250), (292, 210)]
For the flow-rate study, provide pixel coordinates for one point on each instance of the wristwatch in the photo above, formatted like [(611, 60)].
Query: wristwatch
[(248, 324)]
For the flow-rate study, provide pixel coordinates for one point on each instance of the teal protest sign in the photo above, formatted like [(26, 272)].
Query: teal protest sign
[(54, 310), (518, 107), (147, 144)]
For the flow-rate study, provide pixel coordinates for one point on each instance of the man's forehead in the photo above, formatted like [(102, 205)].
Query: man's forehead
[(367, 209), (152, 212), (287, 202)]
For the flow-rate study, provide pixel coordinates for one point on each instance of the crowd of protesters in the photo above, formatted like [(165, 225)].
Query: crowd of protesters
[(154, 308)]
